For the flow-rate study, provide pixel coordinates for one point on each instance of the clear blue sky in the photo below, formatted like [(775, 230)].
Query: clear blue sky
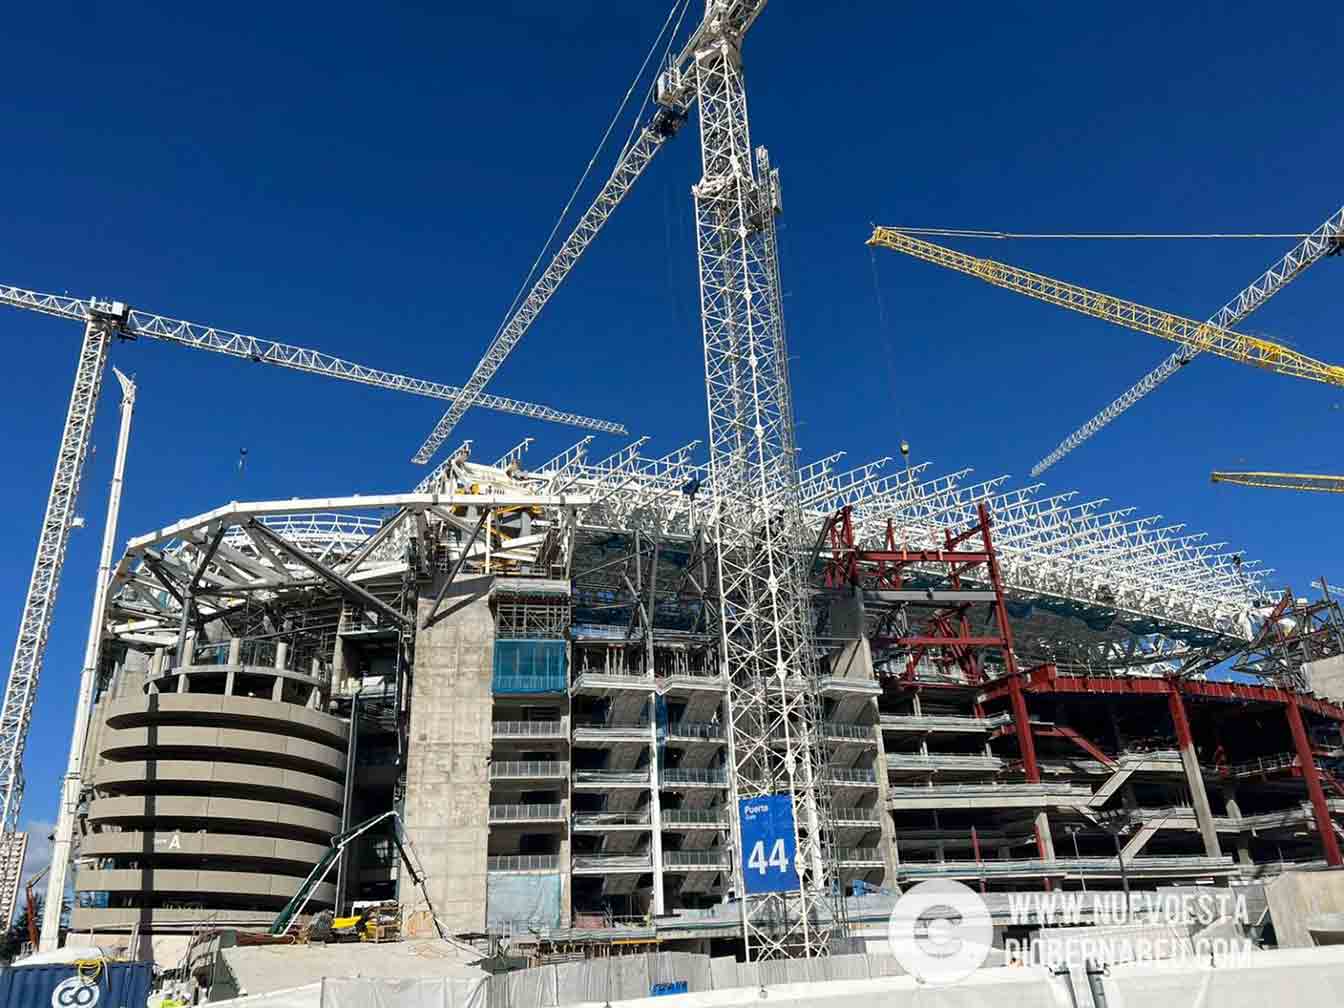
[(375, 184)]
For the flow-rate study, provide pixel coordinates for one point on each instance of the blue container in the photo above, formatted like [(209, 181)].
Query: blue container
[(116, 985)]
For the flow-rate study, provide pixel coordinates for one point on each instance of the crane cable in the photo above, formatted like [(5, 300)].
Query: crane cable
[(1084, 235), (527, 281)]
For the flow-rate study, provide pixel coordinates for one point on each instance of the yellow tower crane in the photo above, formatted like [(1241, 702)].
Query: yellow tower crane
[(1199, 336), (1283, 481)]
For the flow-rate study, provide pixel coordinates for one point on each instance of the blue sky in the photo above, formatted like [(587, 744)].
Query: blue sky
[(376, 183)]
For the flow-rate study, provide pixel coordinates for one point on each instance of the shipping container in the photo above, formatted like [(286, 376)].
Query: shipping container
[(108, 985)]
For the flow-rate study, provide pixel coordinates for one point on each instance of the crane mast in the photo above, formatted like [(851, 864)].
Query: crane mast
[(104, 320), (765, 622)]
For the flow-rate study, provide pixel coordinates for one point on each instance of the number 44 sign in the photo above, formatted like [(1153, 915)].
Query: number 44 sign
[(769, 844)]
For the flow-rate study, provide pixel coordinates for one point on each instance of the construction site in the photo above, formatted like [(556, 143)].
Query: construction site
[(697, 702)]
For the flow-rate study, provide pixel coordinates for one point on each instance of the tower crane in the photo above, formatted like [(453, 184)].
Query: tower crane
[(1283, 481), (1325, 240), (765, 630), (1193, 336), (104, 320)]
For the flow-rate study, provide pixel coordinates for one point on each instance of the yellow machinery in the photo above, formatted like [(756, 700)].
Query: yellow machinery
[(1198, 336)]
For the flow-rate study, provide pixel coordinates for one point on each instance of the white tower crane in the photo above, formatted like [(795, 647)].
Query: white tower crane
[(102, 321), (765, 628)]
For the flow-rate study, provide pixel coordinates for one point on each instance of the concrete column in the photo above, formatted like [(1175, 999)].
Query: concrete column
[(1194, 778), (281, 654), (1243, 840), (891, 860), (278, 689), (183, 685), (230, 680), (235, 651), (1325, 826), (939, 846)]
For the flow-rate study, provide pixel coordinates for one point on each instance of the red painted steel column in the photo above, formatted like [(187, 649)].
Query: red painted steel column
[(1022, 725), (1325, 827), (1194, 776)]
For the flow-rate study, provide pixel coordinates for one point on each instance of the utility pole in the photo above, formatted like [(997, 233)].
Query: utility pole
[(88, 679)]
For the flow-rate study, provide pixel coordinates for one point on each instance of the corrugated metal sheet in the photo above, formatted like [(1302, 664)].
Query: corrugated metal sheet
[(115, 985)]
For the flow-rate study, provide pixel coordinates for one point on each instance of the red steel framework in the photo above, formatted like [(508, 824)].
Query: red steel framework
[(945, 638)]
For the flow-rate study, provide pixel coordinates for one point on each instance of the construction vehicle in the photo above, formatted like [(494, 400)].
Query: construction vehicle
[(368, 923)]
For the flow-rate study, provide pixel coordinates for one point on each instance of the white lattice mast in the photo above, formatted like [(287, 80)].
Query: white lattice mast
[(766, 633), (71, 786), (35, 622)]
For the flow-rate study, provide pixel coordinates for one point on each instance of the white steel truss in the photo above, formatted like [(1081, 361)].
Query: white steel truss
[(295, 358), (1321, 242)]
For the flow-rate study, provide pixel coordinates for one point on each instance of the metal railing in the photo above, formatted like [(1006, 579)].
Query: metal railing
[(856, 855), (940, 722), (529, 768), (838, 729), (850, 776), (611, 777), (614, 862), (708, 817), (504, 813), (693, 777), (523, 862), (854, 814), (713, 858), (944, 761), (529, 729), (612, 726), (695, 729), (611, 819)]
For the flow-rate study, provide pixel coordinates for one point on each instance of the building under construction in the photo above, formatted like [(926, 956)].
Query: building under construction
[(526, 664)]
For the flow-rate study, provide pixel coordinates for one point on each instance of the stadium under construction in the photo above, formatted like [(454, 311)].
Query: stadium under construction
[(525, 662)]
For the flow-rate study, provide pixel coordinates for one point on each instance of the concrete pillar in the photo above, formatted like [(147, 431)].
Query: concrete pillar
[(1243, 839), (1194, 777), (281, 654), (1325, 827), (230, 680), (887, 844), (183, 684), (278, 689), (235, 651), (447, 776)]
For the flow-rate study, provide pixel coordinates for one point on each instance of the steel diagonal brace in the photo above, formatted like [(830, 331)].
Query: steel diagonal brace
[(433, 616), (346, 587)]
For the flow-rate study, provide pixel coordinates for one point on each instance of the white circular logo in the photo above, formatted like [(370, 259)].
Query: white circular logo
[(74, 992), (940, 932)]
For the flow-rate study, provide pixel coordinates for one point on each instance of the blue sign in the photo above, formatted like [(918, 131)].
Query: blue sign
[(769, 848), (669, 987)]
